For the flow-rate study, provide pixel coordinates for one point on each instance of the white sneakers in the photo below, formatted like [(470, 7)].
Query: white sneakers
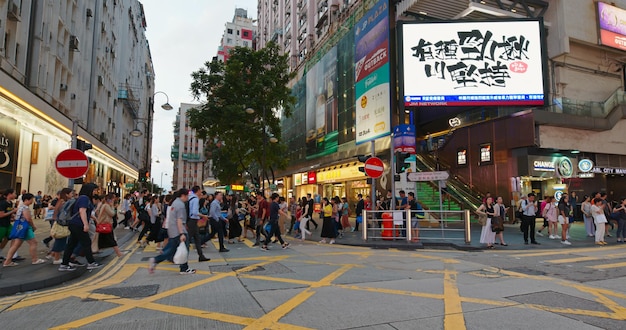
[(566, 242), (552, 237), (540, 234)]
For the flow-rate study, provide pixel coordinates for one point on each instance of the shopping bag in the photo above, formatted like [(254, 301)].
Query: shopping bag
[(180, 257), (57, 231), (19, 230), (359, 219)]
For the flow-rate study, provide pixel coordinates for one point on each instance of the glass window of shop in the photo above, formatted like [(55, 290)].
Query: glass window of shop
[(334, 189)]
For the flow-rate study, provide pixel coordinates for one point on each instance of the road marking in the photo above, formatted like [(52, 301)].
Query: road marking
[(565, 251), (588, 258), (608, 266), (453, 319)]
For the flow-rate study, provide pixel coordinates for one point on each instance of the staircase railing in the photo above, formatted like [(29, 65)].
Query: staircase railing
[(588, 108), (458, 190)]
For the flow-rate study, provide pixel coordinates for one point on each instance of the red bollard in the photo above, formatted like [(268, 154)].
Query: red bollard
[(387, 232)]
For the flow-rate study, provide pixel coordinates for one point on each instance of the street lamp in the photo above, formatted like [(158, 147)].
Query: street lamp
[(272, 139), (166, 106), (161, 185)]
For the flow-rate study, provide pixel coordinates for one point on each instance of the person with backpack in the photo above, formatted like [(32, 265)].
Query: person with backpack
[(79, 228), (144, 217), (193, 215), (56, 252), (275, 213)]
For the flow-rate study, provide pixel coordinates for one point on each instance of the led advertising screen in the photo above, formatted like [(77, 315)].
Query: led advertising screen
[(612, 24), (473, 63), (372, 73)]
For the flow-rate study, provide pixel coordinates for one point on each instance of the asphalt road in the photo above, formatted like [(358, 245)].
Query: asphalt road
[(321, 286)]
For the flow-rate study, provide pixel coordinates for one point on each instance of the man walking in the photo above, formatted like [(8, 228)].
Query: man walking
[(529, 211), (218, 222), (309, 212), (176, 231), (262, 214), (192, 222)]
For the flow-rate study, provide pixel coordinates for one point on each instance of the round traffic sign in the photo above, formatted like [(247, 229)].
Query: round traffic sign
[(72, 163), (374, 167)]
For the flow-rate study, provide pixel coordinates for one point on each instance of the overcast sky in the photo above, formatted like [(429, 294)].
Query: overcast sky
[(183, 35)]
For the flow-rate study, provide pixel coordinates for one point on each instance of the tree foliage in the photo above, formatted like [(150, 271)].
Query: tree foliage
[(256, 79)]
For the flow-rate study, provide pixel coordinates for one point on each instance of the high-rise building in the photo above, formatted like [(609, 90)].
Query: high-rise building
[(187, 152), (83, 62), (239, 32)]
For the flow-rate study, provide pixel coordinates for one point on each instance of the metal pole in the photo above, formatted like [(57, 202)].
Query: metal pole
[(364, 224), (373, 197), (392, 163), (468, 235), (263, 173), (441, 217), (70, 182), (408, 225)]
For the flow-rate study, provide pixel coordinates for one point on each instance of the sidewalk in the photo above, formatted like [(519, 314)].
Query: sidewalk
[(26, 277)]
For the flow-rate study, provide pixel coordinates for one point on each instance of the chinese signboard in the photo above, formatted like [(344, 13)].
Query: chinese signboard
[(485, 154), (461, 156), (473, 63), (373, 110), (612, 23)]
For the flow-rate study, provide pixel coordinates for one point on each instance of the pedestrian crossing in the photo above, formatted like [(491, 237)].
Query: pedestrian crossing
[(596, 258)]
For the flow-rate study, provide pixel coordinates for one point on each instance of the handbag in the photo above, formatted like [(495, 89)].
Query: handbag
[(482, 219), (497, 224), (57, 231), (104, 228), (20, 229)]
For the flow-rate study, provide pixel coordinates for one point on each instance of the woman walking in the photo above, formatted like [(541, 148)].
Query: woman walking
[(345, 211), (621, 222), (597, 211), (304, 219), (328, 226), (105, 216), (234, 226), (585, 207), (487, 236), (550, 213), (79, 228), (502, 212), (23, 213)]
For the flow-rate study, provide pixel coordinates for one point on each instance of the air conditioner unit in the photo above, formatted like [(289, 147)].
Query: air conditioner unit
[(74, 43), (63, 87), (89, 12), (100, 81), (13, 13), (103, 27)]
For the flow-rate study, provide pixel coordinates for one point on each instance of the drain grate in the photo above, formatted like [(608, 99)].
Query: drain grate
[(140, 291)]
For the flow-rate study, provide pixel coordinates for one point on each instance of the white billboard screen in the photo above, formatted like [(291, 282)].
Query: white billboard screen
[(473, 63)]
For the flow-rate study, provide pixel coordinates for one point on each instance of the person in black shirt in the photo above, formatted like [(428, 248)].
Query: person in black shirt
[(309, 213), (275, 213), (6, 212), (360, 205)]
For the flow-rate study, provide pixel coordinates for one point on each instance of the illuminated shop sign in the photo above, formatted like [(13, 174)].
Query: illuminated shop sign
[(612, 23), (541, 165)]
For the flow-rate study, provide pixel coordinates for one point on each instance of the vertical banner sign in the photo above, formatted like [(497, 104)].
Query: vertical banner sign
[(373, 110), (9, 137), (404, 139)]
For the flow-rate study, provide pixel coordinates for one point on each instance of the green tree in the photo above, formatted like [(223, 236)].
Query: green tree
[(250, 79)]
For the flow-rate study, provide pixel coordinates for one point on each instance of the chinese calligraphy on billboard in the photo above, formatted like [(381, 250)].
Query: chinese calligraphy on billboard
[(373, 111), (472, 63)]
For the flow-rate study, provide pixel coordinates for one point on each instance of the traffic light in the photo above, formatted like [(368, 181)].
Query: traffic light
[(82, 145), (362, 159), (401, 157), (143, 175)]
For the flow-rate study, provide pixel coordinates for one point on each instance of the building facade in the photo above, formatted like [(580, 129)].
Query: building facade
[(83, 62), (507, 149), (187, 152)]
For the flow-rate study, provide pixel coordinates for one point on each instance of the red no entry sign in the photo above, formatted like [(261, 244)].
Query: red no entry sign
[(71, 163), (374, 167)]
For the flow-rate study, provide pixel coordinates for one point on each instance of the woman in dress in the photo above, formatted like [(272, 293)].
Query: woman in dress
[(585, 207), (502, 209), (550, 213), (23, 212), (487, 236), (105, 215), (345, 210), (328, 227), (597, 211), (234, 226)]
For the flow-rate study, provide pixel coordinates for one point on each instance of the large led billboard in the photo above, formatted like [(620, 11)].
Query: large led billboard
[(372, 74), (612, 26), (472, 63)]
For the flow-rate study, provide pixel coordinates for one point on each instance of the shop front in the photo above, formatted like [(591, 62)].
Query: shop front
[(343, 180), (545, 175), (305, 183), (30, 140)]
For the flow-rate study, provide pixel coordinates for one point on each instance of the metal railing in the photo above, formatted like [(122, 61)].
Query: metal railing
[(393, 225)]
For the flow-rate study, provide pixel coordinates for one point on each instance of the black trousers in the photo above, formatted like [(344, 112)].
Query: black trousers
[(274, 231), (194, 233), (77, 235), (127, 215), (311, 221), (528, 225), (219, 228), (260, 230)]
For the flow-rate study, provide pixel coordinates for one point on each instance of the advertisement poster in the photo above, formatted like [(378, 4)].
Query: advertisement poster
[(612, 23), (322, 107), (404, 139), (9, 138), (473, 63), (372, 101)]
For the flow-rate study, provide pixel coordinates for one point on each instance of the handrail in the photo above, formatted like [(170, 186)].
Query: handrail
[(587, 108)]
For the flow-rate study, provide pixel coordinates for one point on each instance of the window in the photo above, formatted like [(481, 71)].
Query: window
[(246, 33), (229, 41), (245, 44), (229, 31), (461, 157)]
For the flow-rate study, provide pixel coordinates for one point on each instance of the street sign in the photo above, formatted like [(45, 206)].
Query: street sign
[(428, 176), (374, 167), (71, 163)]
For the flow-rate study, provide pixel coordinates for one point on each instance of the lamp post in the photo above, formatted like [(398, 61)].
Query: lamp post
[(272, 139), (161, 185)]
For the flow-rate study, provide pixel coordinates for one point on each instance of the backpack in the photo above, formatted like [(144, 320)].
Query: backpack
[(67, 212), (143, 214)]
